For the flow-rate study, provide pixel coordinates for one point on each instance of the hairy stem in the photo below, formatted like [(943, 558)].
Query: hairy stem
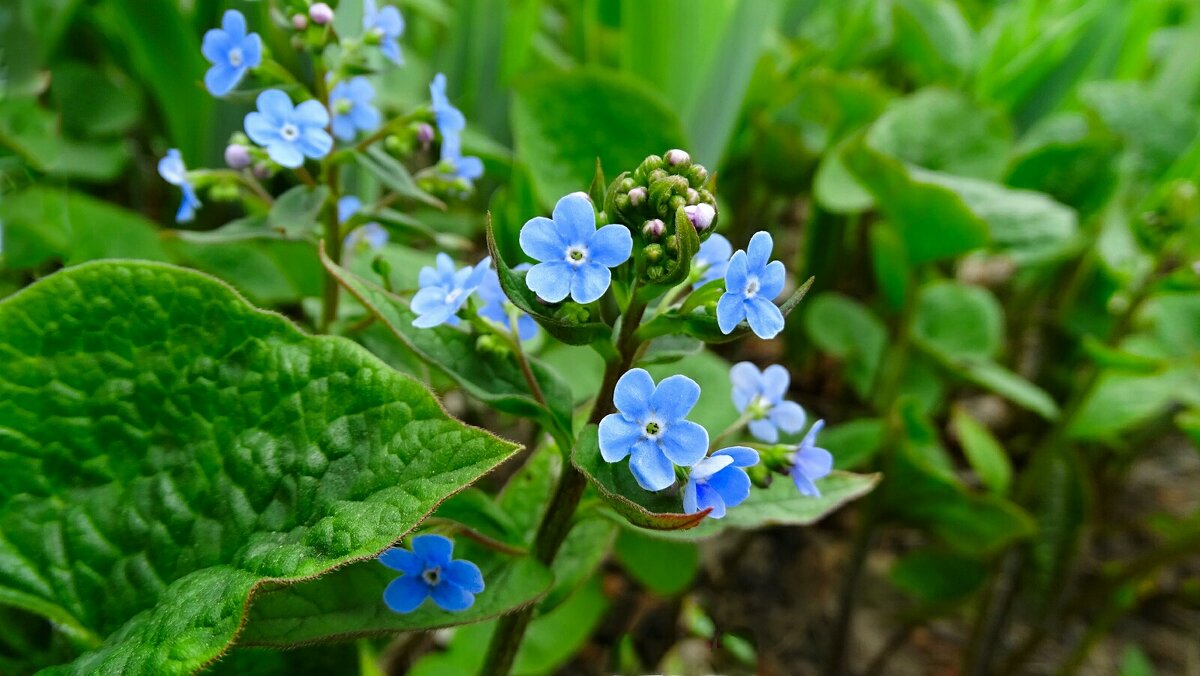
[(333, 242)]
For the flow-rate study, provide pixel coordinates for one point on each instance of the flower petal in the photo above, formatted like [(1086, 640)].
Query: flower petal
[(709, 498), (787, 416), (550, 281), (632, 393), (315, 142), (540, 240), (684, 442), (276, 105), (805, 485), (442, 314), (252, 51), (452, 597), (775, 380), (285, 154), (764, 430), (765, 318), (261, 129), (735, 273), (771, 281), (464, 574), (617, 436), (343, 128), (759, 251), (652, 470), (710, 466), (610, 246), (575, 218), (689, 497), (402, 560), (674, 397), (428, 299), (733, 484), (215, 45), (715, 249), (391, 50), (747, 384), (405, 594), (731, 310), (742, 456), (589, 282), (234, 24), (813, 462), (434, 550), (470, 167), (311, 113), (221, 79)]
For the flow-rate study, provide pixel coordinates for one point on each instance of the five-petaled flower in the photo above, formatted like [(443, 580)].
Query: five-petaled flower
[(387, 25), (719, 481), (810, 462), (759, 394), (496, 306), (450, 124), (430, 571), (173, 171), (231, 51), (712, 259), (289, 133), (575, 256), (373, 235), (444, 290), (350, 102), (751, 283), (650, 427)]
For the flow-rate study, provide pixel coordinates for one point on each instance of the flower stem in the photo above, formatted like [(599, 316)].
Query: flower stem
[(333, 239)]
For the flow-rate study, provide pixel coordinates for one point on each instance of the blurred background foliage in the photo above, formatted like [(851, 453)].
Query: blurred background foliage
[(998, 200)]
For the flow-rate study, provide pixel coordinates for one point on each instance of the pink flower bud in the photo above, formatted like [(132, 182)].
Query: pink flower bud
[(701, 215), (321, 13), (675, 157), (425, 134), (654, 228), (637, 195), (299, 22), (237, 156)]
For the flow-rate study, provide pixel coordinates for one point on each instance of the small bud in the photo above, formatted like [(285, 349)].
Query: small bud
[(654, 253), (692, 196), (637, 195), (697, 175), (672, 243), (649, 164), (299, 22), (701, 215), (657, 175), (237, 156), (321, 13), (676, 157), (654, 228), (676, 203), (425, 134), (627, 184), (381, 267), (262, 170), (394, 145)]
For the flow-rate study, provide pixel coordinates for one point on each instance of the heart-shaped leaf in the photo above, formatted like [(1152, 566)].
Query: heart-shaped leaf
[(168, 449)]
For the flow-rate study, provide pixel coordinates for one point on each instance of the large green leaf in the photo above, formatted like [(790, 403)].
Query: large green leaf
[(624, 120), (959, 320), (170, 448), (849, 331), (942, 130), (491, 377)]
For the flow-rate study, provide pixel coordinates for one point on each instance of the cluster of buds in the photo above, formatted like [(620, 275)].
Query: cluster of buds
[(657, 197)]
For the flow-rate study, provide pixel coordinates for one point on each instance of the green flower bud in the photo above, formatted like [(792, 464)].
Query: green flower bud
[(381, 267), (654, 253), (672, 244), (697, 175)]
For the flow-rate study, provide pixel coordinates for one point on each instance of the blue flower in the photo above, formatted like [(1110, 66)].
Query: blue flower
[(650, 427), (388, 25), (430, 572), (750, 286), (451, 123), (495, 305), (719, 481), (468, 168), (374, 234), (444, 290), (761, 393), (350, 102), (231, 51), (171, 168), (575, 256), (289, 133), (712, 259), (810, 463)]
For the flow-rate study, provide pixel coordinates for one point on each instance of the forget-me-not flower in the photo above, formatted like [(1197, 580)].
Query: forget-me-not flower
[(761, 395), (373, 234), (712, 259), (173, 171), (719, 481), (751, 283), (350, 102), (495, 305), (430, 571), (650, 427), (231, 51), (289, 133), (388, 25), (575, 256), (810, 462), (444, 290), (451, 123)]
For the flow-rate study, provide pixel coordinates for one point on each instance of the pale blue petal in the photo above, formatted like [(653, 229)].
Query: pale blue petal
[(405, 594), (360, 89), (428, 277), (733, 484), (469, 168), (389, 21), (684, 442), (689, 497), (391, 50), (632, 394), (674, 397), (787, 416), (285, 154), (402, 560), (428, 299), (766, 320), (452, 597), (365, 116), (550, 281), (234, 24), (434, 550), (589, 282), (759, 251), (171, 168), (731, 310), (252, 51), (764, 430), (813, 462), (437, 91), (715, 249), (311, 113), (610, 246), (221, 79), (464, 574), (575, 218), (540, 240), (710, 466), (775, 380), (343, 128), (527, 328), (216, 45), (709, 498), (276, 105), (747, 383), (735, 273), (261, 129), (347, 207), (805, 485), (315, 142), (442, 314), (772, 280), (617, 436), (742, 456), (652, 470), (445, 267)]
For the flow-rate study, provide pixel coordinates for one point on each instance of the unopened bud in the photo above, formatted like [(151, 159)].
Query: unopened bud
[(672, 243), (654, 253), (637, 196), (262, 170), (299, 22), (701, 215), (237, 156), (321, 13), (697, 175), (676, 157), (654, 228), (425, 133), (692, 196)]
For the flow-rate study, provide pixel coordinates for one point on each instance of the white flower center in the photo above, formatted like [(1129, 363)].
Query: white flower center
[(654, 429), (751, 287), (759, 407), (577, 255), (453, 296), (432, 576), (235, 57), (289, 132)]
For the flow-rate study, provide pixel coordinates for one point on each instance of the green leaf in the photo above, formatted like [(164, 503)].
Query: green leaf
[(702, 324), (1063, 158), (854, 443), (834, 185), (495, 379), (669, 349), (294, 214), (959, 321), (1154, 125), (247, 450), (934, 38), (1009, 385), (937, 576), (662, 510), (782, 505), (848, 330), (1056, 490), (348, 603), (667, 568), (624, 119), (43, 224), (268, 271), (32, 133), (1121, 401), (583, 552), (394, 176), (93, 103), (942, 130), (986, 455), (555, 321)]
